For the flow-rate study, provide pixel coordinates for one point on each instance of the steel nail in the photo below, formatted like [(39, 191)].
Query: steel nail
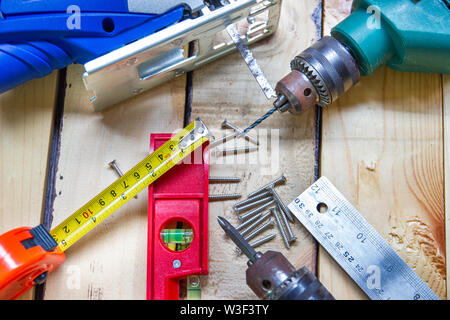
[(224, 179), (282, 205), (249, 222), (281, 179), (228, 125), (253, 204), (255, 223), (258, 242), (223, 139), (250, 200), (291, 235), (256, 211), (223, 197), (280, 226), (116, 168), (236, 150), (260, 230)]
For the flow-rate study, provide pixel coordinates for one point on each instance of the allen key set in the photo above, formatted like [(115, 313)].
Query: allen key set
[(261, 205)]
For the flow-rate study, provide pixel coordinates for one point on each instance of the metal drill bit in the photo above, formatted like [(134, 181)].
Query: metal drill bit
[(234, 235), (257, 122)]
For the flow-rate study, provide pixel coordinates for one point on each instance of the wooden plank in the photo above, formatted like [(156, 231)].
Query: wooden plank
[(26, 115), (110, 262), (383, 148), (226, 90), (446, 106)]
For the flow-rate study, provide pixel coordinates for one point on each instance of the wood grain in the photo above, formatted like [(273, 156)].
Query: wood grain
[(110, 262), (226, 90), (383, 148), (26, 115), (446, 107)]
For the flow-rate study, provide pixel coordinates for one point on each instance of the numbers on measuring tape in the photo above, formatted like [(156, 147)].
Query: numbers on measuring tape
[(134, 181)]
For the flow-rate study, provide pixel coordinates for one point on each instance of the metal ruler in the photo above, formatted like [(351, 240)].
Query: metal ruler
[(356, 246), (131, 183)]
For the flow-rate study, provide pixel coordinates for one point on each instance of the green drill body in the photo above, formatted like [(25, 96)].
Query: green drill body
[(406, 35)]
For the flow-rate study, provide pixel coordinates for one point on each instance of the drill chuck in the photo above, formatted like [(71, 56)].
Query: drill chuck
[(320, 75), (271, 276)]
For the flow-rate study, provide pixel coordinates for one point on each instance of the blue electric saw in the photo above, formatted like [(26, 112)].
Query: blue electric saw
[(126, 46)]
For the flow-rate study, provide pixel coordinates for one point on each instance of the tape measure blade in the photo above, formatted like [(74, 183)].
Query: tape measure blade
[(131, 183), (356, 246)]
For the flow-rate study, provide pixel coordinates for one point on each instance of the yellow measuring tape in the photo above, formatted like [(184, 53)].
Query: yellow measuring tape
[(131, 183)]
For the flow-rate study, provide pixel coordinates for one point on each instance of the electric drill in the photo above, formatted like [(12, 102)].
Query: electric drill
[(272, 277), (406, 35)]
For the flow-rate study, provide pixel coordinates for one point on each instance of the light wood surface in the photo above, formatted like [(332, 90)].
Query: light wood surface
[(385, 145), (446, 112), (226, 90), (26, 116), (382, 146), (110, 262)]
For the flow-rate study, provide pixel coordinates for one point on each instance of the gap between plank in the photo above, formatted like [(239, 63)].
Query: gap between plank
[(52, 164)]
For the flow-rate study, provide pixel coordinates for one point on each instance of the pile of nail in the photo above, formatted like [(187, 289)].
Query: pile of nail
[(263, 204)]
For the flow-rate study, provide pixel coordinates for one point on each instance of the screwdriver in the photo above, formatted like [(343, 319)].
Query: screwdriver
[(272, 277)]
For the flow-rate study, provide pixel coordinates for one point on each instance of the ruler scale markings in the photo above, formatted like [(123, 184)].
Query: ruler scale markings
[(384, 251), (338, 229)]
